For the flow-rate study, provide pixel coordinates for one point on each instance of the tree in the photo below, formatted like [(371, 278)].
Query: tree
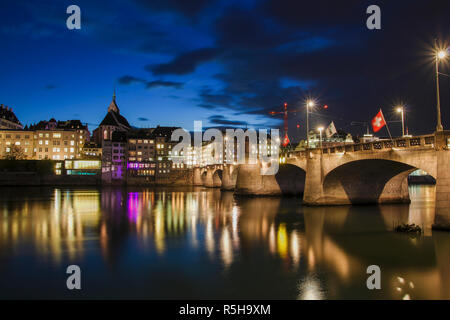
[(16, 153)]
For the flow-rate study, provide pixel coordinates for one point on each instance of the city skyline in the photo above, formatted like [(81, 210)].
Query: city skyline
[(204, 150), (228, 64)]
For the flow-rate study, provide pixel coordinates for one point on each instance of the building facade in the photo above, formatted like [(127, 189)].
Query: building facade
[(150, 154), (8, 119), (53, 140)]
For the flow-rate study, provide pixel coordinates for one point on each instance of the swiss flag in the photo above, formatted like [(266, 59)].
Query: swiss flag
[(286, 140), (378, 122)]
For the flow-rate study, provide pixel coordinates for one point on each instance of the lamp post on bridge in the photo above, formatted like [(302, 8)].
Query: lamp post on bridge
[(401, 109), (440, 55), (309, 104), (320, 135)]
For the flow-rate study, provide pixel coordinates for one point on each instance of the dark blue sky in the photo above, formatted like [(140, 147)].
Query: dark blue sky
[(224, 62)]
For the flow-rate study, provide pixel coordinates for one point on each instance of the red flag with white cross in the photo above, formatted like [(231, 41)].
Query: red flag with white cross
[(378, 122)]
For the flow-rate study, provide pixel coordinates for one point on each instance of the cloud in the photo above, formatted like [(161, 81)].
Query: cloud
[(207, 106), (221, 120), (189, 8), (215, 99), (185, 63), (318, 14), (161, 83), (240, 28), (126, 80)]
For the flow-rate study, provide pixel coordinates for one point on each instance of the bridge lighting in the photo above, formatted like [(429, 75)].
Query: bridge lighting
[(320, 133), (440, 55), (309, 104), (401, 109)]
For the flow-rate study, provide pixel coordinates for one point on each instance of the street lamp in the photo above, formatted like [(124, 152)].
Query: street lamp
[(320, 135), (401, 109), (440, 55), (309, 104)]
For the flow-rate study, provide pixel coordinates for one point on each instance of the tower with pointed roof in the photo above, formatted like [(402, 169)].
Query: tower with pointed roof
[(113, 121)]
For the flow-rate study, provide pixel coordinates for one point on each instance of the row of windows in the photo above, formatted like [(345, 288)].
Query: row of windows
[(41, 135), (72, 150), (56, 157), (8, 136), (57, 143), (133, 141)]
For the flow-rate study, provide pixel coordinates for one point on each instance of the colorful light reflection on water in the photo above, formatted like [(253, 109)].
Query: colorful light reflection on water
[(203, 243)]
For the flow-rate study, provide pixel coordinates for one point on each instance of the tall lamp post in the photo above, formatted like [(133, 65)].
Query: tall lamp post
[(401, 109), (320, 136), (309, 104), (440, 55)]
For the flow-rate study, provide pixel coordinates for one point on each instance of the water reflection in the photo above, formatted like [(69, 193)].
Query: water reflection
[(223, 246)]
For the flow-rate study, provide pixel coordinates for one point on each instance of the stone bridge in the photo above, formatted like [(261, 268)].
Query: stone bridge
[(216, 176), (374, 172)]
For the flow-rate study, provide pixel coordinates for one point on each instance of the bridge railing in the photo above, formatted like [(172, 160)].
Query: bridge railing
[(425, 141)]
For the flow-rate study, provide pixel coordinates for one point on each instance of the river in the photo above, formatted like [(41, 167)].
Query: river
[(170, 243)]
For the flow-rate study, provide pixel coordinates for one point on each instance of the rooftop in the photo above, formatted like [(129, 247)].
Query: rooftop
[(8, 114)]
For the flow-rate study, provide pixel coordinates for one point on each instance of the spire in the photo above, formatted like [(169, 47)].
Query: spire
[(113, 106)]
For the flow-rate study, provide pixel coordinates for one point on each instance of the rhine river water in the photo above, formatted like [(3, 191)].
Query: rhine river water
[(204, 243)]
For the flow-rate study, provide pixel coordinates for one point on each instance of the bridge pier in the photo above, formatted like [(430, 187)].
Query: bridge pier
[(313, 194), (197, 177), (229, 177), (289, 180), (250, 182), (217, 176), (442, 213), (208, 178)]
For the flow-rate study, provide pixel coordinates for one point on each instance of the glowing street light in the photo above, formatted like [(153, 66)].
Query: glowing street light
[(320, 134), (401, 109), (309, 104), (440, 55)]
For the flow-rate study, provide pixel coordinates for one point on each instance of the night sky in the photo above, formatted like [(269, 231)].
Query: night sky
[(226, 62)]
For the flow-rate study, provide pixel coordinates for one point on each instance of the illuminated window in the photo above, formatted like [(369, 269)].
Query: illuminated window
[(17, 143), (57, 135)]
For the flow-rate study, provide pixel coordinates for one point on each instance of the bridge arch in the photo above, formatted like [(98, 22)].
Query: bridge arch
[(204, 176), (217, 178), (367, 181), (290, 179)]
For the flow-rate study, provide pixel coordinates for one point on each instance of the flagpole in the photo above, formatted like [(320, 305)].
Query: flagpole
[(387, 127)]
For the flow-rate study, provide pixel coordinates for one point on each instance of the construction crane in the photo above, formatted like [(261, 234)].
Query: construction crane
[(285, 112)]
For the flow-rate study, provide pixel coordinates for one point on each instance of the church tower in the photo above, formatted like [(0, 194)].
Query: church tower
[(113, 121)]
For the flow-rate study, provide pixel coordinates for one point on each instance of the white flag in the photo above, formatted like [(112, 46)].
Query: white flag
[(331, 130)]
